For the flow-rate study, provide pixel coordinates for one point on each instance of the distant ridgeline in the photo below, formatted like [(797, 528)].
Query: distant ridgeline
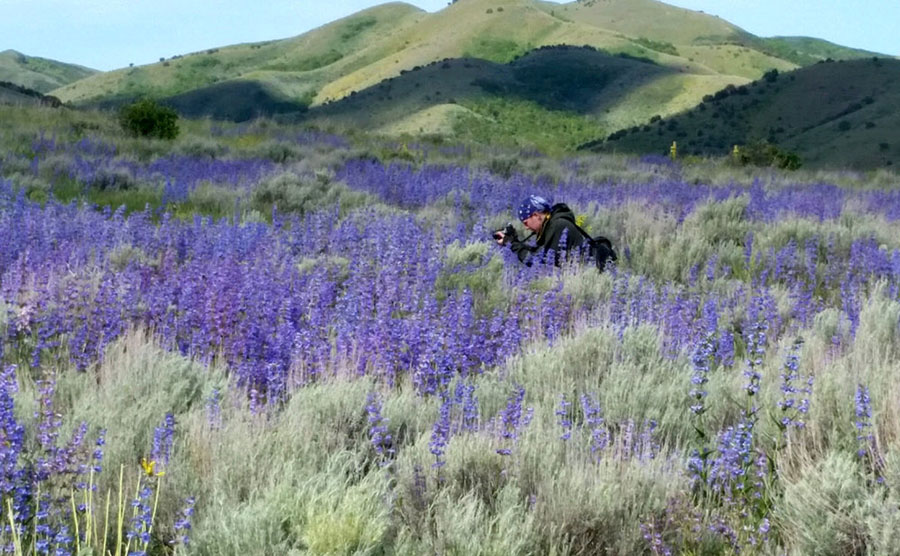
[(365, 48), (629, 75), (39, 74), (10, 93), (830, 114)]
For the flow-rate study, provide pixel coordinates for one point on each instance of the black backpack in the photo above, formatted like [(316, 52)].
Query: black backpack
[(601, 249)]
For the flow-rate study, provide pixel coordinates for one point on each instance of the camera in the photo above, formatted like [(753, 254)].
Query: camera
[(507, 234)]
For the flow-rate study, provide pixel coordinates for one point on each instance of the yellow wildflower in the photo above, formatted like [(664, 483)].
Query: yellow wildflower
[(149, 467)]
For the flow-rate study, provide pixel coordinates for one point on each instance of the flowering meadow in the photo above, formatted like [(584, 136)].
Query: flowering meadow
[(265, 340)]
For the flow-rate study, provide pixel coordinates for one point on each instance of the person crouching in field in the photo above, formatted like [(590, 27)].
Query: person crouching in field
[(556, 230)]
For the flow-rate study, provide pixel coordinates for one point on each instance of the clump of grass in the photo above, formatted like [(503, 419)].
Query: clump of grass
[(476, 269), (349, 519), (212, 200), (201, 147), (497, 50), (827, 509), (294, 193)]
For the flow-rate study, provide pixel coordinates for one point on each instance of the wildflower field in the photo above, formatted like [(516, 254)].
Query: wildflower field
[(264, 340)]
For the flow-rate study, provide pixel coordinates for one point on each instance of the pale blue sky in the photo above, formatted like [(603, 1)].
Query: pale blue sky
[(109, 34)]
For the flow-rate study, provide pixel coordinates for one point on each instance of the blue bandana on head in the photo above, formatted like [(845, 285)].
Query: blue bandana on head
[(532, 205)]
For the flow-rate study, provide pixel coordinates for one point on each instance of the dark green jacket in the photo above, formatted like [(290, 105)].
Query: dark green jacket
[(560, 224)]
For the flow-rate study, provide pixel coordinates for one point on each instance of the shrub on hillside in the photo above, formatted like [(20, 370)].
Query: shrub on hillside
[(146, 118), (659, 46), (200, 147), (764, 153), (504, 167), (279, 152), (80, 128), (111, 178)]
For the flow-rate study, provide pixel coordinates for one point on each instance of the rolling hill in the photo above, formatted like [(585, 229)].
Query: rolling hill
[(295, 68), (17, 95), (583, 83), (577, 90), (521, 71), (806, 51), (843, 113), (364, 49), (39, 74)]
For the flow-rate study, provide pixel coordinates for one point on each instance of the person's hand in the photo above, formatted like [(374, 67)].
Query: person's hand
[(500, 237)]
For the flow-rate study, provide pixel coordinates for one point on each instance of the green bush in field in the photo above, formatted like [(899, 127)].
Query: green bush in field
[(763, 153), (146, 118)]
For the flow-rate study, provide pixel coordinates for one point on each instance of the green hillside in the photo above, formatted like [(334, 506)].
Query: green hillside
[(578, 90), (39, 74), (650, 19), (366, 48), (16, 95), (831, 114), (296, 67), (805, 51), (486, 70)]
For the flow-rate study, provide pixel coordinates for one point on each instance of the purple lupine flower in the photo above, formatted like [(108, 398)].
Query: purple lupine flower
[(863, 424), (183, 523), (163, 440), (698, 380), (142, 522), (655, 541), (646, 447), (12, 432), (725, 348), (255, 403), (711, 265), (851, 301), (440, 434), (694, 275), (728, 471), (593, 419), (513, 419), (465, 396), (214, 409), (794, 403), (48, 420), (702, 357), (721, 528), (756, 339), (379, 434), (763, 529), (62, 539), (564, 420), (696, 465)]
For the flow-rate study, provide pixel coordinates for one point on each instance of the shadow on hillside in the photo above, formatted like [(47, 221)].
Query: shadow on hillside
[(17, 95), (235, 101), (582, 80)]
